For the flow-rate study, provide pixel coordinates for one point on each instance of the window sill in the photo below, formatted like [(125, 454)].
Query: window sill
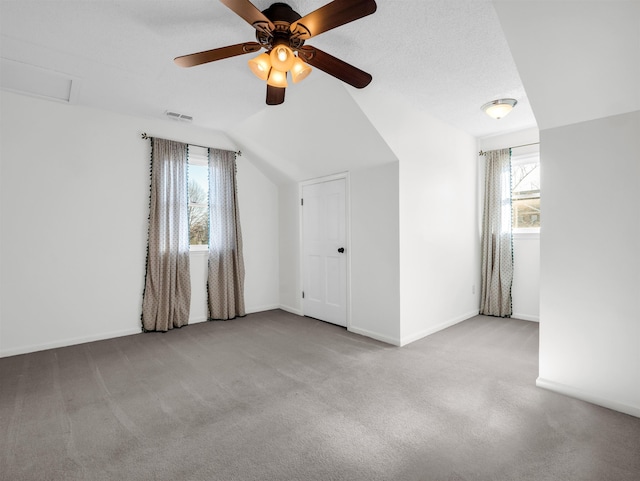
[(199, 250), (526, 234)]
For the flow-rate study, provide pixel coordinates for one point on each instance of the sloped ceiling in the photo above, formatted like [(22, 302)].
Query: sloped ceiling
[(445, 57), (578, 60), (319, 130)]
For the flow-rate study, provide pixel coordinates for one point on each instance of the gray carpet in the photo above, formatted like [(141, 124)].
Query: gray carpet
[(277, 397)]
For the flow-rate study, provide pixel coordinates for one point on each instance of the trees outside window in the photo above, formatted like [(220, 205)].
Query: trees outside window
[(198, 197), (525, 193)]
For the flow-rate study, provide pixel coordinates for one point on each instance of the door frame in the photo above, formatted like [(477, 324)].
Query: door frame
[(347, 217)]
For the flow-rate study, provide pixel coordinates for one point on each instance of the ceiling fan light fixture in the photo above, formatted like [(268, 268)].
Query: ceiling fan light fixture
[(260, 66), (282, 58), (497, 109), (277, 78), (300, 70)]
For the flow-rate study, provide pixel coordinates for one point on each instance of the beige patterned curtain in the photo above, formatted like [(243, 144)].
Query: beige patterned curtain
[(497, 253), (167, 293), (226, 266)]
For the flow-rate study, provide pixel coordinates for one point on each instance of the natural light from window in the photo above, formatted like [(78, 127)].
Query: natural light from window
[(525, 193), (198, 175)]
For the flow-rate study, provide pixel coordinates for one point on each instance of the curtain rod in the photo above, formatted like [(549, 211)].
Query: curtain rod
[(514, 147), (145, 136)]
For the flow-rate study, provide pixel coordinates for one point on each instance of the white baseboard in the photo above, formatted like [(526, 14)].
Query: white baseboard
[(292, 310), (525, 317), (68, 342), (100, 337), (404, 340), (374, 335), (588, 397), (253, 310), (198, 320), (248, 310)]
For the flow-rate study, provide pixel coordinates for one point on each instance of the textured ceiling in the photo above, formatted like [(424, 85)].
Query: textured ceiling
[(447, 57)]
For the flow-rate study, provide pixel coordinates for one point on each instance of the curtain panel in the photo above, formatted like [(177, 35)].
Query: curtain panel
[(497, 244), (225, 281), (167, 292)]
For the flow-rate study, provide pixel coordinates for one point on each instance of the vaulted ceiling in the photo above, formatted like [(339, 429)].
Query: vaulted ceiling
[(445, 57)]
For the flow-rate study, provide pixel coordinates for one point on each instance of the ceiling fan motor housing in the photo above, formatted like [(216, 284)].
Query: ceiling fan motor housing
[(282, 16), (281, 12)]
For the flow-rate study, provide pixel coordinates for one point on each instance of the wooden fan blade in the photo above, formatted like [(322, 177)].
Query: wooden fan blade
[(250, 13), (334, 66), (332, 15), (275, 95), (216, 54)]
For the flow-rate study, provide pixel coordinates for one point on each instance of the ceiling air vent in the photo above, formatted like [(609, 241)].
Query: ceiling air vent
[(177, 116)]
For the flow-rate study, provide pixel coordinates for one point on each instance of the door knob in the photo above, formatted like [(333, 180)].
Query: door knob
[(341, 250)]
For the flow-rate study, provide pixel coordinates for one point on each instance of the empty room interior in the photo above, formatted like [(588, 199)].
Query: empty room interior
[(347, 240)]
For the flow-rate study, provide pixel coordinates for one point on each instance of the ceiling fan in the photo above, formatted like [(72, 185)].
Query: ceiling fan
[(282, 32)]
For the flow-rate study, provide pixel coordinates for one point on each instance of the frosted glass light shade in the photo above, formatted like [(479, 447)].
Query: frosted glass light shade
[(498, 109), (260, 66), (282, 58), (299, 71), (277, 78)]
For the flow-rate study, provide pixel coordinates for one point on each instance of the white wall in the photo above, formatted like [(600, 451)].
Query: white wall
[(590, 281), (525, 291), (375, 253), (439, 241), (259, 219), (198, 270), (74, 207), (290, 284)]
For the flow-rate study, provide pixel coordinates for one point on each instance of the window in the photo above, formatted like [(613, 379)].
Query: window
[(198, 175), (525, 193)]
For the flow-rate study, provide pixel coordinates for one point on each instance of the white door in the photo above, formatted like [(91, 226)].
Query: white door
[(324, 262)]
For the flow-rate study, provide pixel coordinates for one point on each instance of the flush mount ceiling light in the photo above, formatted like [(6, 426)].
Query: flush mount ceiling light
[(281, 31), (496, 109)]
